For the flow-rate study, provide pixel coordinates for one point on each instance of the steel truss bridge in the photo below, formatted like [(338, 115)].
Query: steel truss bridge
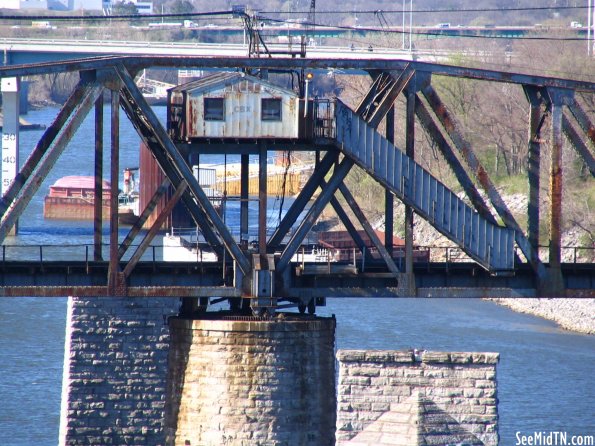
[(503, 257)]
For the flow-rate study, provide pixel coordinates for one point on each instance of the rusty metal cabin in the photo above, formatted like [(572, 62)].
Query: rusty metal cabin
[(232, 106)]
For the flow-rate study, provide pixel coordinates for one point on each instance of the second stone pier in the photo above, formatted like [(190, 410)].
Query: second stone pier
[(247, 381)]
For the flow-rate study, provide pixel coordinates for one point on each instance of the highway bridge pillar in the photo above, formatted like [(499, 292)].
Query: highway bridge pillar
[(251, 381)]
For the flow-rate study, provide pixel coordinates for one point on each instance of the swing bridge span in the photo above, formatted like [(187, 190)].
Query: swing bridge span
[(501, 258)]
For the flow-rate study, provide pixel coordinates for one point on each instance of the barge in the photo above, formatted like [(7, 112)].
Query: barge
[(73, 198)]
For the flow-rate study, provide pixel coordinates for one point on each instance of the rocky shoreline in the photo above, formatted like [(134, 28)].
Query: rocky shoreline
[(571, 314)]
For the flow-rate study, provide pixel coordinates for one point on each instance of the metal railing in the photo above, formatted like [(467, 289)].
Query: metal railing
[(310, 252)]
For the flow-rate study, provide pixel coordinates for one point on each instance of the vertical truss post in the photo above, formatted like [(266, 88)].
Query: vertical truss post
[(558, 99), (410, 152), (533, 164), (244, 190), (114, 178), (389, 201), (262, 202), (98, 191)]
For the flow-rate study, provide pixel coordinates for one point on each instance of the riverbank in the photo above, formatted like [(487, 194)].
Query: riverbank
[(571, 314)]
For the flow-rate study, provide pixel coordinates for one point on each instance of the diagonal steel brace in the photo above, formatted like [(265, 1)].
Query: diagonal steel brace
[(464, 148), (580, 146), (143, 217), (314, 212), (145, 133), (302, 200), (176, 160), (140, 250), (43, 145), (390, 263), (53, 150)]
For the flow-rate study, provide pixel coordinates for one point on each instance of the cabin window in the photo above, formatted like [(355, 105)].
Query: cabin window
[(271, 109), (214, 109)]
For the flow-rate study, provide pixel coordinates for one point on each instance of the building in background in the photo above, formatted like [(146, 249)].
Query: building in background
[(24, 4)]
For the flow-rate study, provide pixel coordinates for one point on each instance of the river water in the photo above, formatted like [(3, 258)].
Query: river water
[(545, 376)]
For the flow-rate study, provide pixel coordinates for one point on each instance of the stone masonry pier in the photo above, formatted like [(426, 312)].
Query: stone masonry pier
[(251, 382), (409, 398)]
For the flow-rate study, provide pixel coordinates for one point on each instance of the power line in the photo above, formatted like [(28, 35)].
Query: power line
[(443, 10), (218, 13)]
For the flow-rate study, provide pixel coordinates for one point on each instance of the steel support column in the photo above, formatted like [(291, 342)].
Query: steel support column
[(244, 191), (389, 200), (262, 202), (314, 212), (31, 182), (533, 164), (301, 201), (114, 264), (98, 189), (410, 152), (558, 98)]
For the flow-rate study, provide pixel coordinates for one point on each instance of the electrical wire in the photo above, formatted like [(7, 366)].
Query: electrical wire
[(333, 12), (443, 10)]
